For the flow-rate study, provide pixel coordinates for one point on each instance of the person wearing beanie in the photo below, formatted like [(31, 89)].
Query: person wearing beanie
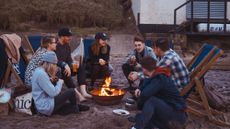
[(158, 99), (99, 53), (46, 93), (65, 61)]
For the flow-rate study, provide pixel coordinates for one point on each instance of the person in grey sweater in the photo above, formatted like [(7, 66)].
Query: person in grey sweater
[(46, 90)]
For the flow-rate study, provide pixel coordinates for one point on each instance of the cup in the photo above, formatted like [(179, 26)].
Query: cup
[(75, 66)]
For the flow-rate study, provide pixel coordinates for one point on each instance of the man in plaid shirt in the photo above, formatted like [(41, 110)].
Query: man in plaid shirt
[(169, 58)]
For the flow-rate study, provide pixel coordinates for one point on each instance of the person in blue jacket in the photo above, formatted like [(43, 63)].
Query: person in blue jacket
[(46, 90), (158, 99)]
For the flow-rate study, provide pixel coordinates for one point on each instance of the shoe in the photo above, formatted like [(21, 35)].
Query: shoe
[(83, 108), (130, 101), (132, 119), (131, 107)]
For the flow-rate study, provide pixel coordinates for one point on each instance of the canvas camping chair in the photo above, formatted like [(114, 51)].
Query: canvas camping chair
[(195, 65), (87, 44), (33, 42), (18, 71), (198, 102)]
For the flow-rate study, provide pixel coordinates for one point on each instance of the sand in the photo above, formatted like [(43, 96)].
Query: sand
[(101, 117)]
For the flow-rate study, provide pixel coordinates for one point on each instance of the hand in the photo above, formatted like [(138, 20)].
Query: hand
[(67, 70), (102, 62), (138, 66), (133, 76), (137, 92), (133, 60), (75, 66), (54, 79)]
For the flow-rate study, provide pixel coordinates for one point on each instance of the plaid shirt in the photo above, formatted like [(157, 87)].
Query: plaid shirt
[(180, 74)]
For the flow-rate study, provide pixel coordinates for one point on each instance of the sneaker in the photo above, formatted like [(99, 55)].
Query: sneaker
[(83, 108), (130, 101)]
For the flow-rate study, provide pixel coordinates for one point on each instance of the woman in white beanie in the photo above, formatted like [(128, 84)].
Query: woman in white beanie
[(46, 95)]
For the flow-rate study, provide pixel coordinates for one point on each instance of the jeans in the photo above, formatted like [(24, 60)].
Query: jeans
[(62, 107), (157, 113), (97, 70), (127, 69)]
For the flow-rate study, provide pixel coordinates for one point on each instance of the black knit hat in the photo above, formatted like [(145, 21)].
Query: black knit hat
[(101, 35), (65, 32)]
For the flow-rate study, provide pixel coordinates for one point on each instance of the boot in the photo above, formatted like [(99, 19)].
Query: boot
[(79, 95), (84, 92)]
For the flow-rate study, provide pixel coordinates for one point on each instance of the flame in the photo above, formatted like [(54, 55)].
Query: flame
[(108, 81), (106, 90)]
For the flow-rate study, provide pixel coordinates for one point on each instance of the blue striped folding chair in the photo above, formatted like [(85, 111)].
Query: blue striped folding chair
[(35, 42), (197, 101), (87, 44)]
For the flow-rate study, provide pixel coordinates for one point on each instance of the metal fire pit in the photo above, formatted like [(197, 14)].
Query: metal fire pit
[(107, 100)]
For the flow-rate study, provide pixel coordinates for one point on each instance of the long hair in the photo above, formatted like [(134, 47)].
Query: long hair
[(50, 69), (96, 48)]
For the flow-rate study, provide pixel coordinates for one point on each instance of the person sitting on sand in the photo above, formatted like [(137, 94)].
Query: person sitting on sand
[(65, 62), (159, 100), (48, 43), (131, 68), (46, 90), (99, 57), (169, 58)]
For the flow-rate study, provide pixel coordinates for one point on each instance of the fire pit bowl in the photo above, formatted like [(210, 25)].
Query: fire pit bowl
[(115, 98)]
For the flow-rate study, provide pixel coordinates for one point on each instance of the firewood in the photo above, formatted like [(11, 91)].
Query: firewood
[(109, 92)]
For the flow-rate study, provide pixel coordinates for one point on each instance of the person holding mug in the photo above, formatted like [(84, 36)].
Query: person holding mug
[(46, 90), (65, 62)]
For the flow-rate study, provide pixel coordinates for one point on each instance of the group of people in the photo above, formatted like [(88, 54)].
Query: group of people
[(161, 71), (52, 65), (162, 74)]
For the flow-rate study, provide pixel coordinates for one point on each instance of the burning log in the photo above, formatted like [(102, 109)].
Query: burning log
[(109, 92)]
